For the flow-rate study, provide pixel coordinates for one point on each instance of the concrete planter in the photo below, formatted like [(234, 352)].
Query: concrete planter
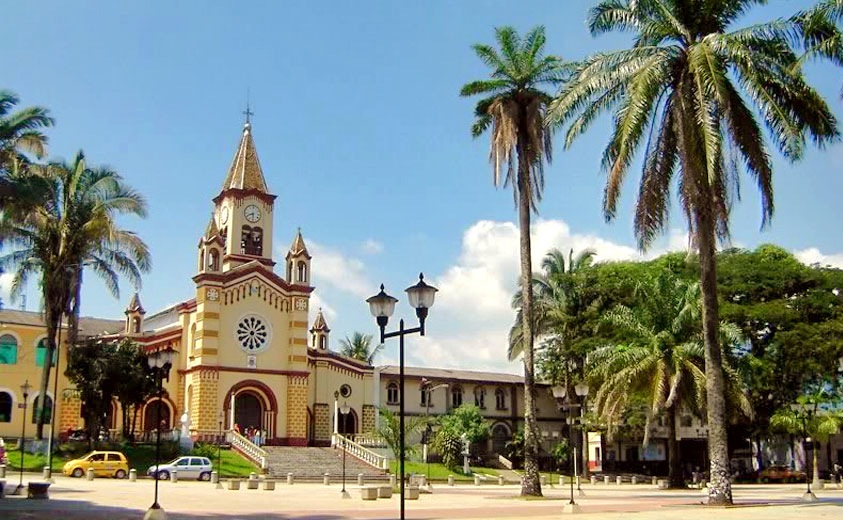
[(411, 493), (234, 484), (252, 483), (269, 485), (384, 491), (38, 490), (369, 492)]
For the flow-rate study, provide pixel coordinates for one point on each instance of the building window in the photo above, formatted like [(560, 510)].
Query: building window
[(5, 407), (214, 260), (686, 421), (392, 393), (41, 353), (202, 260), (480, 397), (500, 399), (8, 350), (323, 342), (302, 272), (192, 350), (425, 397), (251, 241), (456, 397), (47, 404)]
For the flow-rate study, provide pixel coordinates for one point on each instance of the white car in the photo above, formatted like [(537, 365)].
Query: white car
[(187, 467)]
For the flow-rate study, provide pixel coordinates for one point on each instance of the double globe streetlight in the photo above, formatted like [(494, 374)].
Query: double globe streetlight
[(560, 392), (160, 362), (382, 305)]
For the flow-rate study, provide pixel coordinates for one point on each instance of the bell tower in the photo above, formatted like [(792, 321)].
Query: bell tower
[(319, 332), (244, 208)]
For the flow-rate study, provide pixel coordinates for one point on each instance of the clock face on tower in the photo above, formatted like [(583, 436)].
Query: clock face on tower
[(224, 215), (252, 213)]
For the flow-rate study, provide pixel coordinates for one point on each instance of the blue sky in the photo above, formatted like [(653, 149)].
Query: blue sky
[(363, 137)]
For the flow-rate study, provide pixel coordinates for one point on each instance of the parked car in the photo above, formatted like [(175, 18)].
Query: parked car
[(781, 473), (104, 463), (187, 467)]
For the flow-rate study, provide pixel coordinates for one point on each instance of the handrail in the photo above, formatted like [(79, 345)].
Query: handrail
[(364, 454), (367, 440), (505, 462), (250, 450)]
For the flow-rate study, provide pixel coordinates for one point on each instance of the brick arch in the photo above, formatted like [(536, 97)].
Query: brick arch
[(264, 393)]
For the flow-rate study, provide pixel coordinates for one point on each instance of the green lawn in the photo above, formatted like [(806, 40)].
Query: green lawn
[(439, 472), (140, 458)]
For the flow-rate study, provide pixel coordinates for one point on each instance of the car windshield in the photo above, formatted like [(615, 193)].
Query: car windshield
[(174, 461)]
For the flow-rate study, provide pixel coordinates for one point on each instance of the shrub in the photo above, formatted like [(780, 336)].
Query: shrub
[(203, 449), (448, 445)]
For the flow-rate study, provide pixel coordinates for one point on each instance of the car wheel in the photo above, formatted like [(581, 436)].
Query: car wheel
[(205, 476), (163, 475), (120, 474), (77, 473)]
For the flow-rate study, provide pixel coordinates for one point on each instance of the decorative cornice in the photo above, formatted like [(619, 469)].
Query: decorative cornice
[(296, 373)]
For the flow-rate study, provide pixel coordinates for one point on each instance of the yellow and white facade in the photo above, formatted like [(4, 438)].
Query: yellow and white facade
[(247, 354)]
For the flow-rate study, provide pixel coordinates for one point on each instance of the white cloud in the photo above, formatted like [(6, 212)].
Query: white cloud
[(372, 247), (813, 255), (332, 268), (316, 303)]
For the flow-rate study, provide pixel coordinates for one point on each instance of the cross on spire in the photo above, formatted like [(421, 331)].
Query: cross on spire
[(248, 113)]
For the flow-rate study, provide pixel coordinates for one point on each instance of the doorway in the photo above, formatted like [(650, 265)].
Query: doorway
[(248, 411)]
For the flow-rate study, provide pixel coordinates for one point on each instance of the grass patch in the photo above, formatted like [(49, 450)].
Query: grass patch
[(140, 458), (440, 472)]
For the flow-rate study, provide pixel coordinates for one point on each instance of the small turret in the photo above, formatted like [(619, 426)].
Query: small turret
[(211, 246), (319, 332), (298, 262), (134, 316)]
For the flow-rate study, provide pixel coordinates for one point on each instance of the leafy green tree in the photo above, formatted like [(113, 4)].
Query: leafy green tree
[(135, 384), (448, 444), (20, 131), (74, 226), (466, 420), (561, 452), (513, 107), (359, 346), (679, 90), (662, 360), (389, 431), (814, 416)]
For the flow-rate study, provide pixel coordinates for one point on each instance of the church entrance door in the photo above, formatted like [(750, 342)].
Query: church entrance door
[(248, 411)]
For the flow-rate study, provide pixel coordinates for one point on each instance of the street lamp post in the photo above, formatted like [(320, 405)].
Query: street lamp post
[(219, 444), (24, 388), (804, 412), (382, 306), (159, 361), (344, 410), (560, 392), (581, 389)]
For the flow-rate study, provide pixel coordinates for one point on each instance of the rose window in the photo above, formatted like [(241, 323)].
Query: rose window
[(253, 334)]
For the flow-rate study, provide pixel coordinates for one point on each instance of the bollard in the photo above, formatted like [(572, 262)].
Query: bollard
[(593, 480), (2, 471), (392, 480), (423, 480), (579, 481), (253, 476), (450, 480), (326, 479), (476, 480), (174, 475), (215, 477), (634, 480), (289, 479), (46, 473), (543, 480), (606, 479), (619, 480), (90, 474), (662, 484), (655, 481), (359, 479), (500, 480), (133, 475)]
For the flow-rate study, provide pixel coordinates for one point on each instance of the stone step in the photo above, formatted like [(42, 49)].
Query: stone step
[(310, 462)]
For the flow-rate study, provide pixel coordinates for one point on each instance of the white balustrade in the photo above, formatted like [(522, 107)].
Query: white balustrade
[(364, 454), (250, 450)]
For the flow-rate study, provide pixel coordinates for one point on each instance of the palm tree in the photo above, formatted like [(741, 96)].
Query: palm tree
[(686, 88), (662, 360), (358, 346), (20, 133), (389, 431), (74, 227), (810, 417), (513, 107), (819, 32)]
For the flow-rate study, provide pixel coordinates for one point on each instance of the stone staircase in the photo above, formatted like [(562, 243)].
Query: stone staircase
[(313, 463)]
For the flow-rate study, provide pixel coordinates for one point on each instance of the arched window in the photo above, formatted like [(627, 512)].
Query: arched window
[(323, 342), (47, 405), (480, 397), (302, 272), (245, 239), (136, 325), (5, 407), (224, 235), (8, 350), (41, 353), (392, 393), (290, 271), (456, 397), (425, 396), (214, 260), (202, 259), (257, 241), (500, 399)]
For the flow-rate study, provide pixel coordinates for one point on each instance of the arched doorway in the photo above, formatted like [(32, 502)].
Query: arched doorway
[(150, 415), (500, 436), (248, 411), (347, 423)]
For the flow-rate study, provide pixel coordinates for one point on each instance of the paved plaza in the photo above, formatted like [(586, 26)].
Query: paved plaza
[(121, 499)]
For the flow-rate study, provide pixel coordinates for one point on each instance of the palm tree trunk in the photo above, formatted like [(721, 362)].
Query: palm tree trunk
[(73, 315), (720, 484), (815, 467), (53, 322), (531, 486), (674, 461)]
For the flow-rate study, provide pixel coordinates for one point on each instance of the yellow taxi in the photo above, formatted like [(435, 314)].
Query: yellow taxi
[(104, 464)]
